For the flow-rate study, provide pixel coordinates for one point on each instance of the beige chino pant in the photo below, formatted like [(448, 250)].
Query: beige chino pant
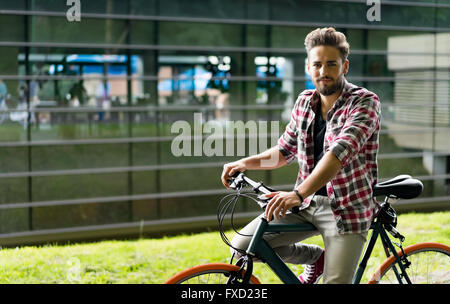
[(342, 251)]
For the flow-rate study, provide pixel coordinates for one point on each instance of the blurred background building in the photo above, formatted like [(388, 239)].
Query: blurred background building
[(86, 107)]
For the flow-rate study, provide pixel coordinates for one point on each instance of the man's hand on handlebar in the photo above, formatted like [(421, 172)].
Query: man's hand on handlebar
[(280, 203), (230, 169)]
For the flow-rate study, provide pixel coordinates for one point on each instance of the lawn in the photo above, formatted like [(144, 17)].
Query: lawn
[(155, 260)]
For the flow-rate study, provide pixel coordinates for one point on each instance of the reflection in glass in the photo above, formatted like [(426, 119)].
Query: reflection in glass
[(196, 80), (105, 92), (421, 87)]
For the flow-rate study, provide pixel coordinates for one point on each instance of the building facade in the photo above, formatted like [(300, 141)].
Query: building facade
[(92, 92)]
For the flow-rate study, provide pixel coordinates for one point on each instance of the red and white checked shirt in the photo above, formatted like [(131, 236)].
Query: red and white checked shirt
[(353, 125)]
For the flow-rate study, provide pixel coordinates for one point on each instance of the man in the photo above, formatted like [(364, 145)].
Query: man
[(333, 133), (3, 90), (3, 105)]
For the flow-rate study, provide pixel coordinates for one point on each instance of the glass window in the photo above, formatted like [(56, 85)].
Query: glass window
[(63, 157), (92, 86), (256, 36), (442, 17), (13, 5), (441, 139), (388, 168), (383, 89), (15, 190), (13, 28), (146, 209), (13, 159), (394, 15), (143, 94), (80, 215), (356, 65), (378, 39), (286, 65), (13, 115), (14, 220), (231, 9), (87, 185), (142, 32), (196, 120), (190, 206), (11, 62), (412, 111), (356, 39), (289, 36), (143, 82), (284, 176), (443, 50), (98, 6), (370, 65), (198, 79), (188, 179), (309, 11), (144, 7), (202, 34), (276, 79), (189, 69), (258, 9), (377, 66), (408, 16), (52, 126), (145, 153), (90, 30)]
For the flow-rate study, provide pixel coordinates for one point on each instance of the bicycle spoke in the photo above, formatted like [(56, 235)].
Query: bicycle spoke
[(428, 266)]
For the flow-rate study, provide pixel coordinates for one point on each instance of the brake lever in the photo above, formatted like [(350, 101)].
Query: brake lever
[(263, 197)]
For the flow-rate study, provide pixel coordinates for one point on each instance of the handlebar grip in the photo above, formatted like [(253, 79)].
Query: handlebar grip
[(235, 182), (236, 174)]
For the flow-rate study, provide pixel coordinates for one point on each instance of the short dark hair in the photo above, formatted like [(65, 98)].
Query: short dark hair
[(328, 36)]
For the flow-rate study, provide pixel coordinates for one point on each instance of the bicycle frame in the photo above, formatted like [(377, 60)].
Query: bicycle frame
[(384, 222), (260, 248), (378, 230)]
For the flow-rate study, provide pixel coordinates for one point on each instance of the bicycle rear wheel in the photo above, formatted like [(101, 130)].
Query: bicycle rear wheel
[(430, 264), (214, 273)]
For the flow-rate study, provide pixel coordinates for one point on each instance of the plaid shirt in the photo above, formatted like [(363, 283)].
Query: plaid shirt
[(353, 124)]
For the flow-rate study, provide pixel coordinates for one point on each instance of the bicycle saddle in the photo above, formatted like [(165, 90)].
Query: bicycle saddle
[(402, 186)]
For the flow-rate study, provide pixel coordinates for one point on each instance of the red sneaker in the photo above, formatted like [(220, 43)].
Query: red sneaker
[(313, 272)]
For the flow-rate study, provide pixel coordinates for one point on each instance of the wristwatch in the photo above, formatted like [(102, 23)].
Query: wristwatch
[(296, 209), (299, 195)]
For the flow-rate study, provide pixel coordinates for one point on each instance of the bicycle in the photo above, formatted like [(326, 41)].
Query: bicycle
[(419, 263)]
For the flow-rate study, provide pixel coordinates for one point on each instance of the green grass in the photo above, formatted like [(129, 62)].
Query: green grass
[(155, 260)]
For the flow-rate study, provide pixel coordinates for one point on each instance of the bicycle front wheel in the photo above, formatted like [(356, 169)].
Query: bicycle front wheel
[(214, 273), (430, 264)]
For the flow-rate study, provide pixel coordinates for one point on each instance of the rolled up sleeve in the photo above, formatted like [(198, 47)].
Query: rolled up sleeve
[(363, 120), (287, 143)]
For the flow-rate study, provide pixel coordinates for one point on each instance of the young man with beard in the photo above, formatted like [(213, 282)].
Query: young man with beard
[(333, 134)]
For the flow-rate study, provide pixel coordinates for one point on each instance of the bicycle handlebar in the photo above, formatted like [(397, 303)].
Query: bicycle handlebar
[(238, 179)]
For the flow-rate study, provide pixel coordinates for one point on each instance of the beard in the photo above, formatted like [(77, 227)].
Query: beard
[(330, 89)]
